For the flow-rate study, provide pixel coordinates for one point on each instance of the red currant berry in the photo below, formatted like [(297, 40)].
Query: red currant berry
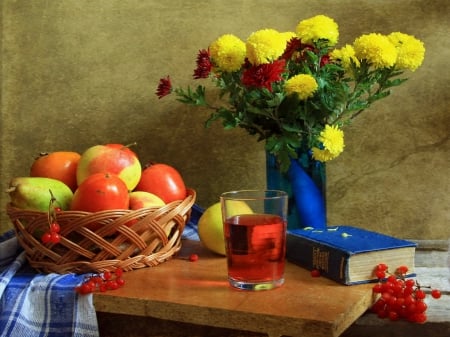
[(84, 289), (380, 274), (409, 299), (97, 279), (377, 288), (193, 257), (409, 283), (118, 272), (120, 282), (392, 301), (402, 312), (315, 273), (421, 306), (54, 227), (380, 304), (392, 279), (411, 308), (54, 237), (107, 275), (408, 291), (420, 294), (91, 283), (400, 302), (386, 296), (397, 289), (402, 270), (383, 313), (382, 267), (46, 238), (112, 285), (435, 293), (419, 318), (393, 316)]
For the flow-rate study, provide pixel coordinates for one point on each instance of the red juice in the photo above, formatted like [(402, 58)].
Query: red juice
[(256, 247)]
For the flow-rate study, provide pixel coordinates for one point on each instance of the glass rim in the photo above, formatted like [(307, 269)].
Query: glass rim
[(253, 194)]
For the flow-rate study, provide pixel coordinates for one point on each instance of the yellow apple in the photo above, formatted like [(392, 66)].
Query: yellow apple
[(210, 225), (141, 199)]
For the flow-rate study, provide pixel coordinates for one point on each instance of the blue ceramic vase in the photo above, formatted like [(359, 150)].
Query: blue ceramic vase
[(305, 183)]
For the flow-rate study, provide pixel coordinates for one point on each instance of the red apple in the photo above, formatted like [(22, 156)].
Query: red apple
[(115, 159), (164, 181), (100, 192), (141, 199)]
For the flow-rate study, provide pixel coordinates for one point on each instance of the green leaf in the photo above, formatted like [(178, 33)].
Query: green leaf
[(196, 97)]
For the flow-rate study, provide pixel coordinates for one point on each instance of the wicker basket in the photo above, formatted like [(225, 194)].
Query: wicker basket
[(127, 239)]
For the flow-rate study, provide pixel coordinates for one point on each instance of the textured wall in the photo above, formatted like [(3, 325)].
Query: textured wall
[(76, 73)]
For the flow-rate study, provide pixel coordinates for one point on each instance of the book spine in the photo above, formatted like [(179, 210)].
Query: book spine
[(331, 262)]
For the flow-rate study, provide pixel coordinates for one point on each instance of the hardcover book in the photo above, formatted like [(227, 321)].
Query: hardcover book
[(347, 254)]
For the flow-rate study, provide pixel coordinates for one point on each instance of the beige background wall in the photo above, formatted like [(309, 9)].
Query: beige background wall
[(76, 73)]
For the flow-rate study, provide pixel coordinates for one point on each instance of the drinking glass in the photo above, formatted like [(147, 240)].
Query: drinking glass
[(255, 223)]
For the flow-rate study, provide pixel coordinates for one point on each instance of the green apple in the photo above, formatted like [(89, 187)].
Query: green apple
[(210, 225), (141, 199)]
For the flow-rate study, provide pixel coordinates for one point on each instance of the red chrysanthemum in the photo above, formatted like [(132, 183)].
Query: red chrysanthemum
[(292, 46), (203, 64), (325, 59), (263, 75), (304, 48), (164, 87)]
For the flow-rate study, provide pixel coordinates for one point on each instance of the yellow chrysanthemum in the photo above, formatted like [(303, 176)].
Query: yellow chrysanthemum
[(265, 46), (411, 51), (332, 139), (228, 52), (322, 155), (377, 49), (287, 36), (303, 84), (319, 27), (345, 55)]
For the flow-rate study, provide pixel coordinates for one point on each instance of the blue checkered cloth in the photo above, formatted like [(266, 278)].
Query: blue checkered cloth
[(34, 305), (191, 229), (47, 305)]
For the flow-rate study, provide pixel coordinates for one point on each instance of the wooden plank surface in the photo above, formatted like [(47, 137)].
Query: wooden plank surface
[(198, 292)]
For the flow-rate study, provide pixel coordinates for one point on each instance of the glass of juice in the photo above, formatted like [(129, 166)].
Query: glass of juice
[(255, 223)]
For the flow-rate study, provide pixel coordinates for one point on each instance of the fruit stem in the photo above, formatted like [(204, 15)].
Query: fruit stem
[(130, 145), (10, 189), (51, 215), (42, 154)]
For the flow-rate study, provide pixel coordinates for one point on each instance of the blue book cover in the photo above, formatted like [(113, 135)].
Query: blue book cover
[(347, 254)]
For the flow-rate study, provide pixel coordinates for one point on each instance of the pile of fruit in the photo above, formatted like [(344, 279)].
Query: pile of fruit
[(104, 177)]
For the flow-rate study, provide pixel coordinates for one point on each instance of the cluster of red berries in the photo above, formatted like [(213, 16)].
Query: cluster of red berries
[(52, 234), (399, 297), (101, 282)]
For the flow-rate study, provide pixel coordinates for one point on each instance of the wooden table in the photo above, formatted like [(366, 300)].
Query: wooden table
[(198, 292)]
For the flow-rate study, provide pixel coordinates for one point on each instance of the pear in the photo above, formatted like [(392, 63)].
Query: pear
[(34, 193)]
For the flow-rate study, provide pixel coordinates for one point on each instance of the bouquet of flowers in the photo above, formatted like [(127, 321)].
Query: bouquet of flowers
[(296, 90)]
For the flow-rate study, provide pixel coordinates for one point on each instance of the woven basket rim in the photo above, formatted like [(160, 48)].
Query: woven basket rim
[(129, 239)]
